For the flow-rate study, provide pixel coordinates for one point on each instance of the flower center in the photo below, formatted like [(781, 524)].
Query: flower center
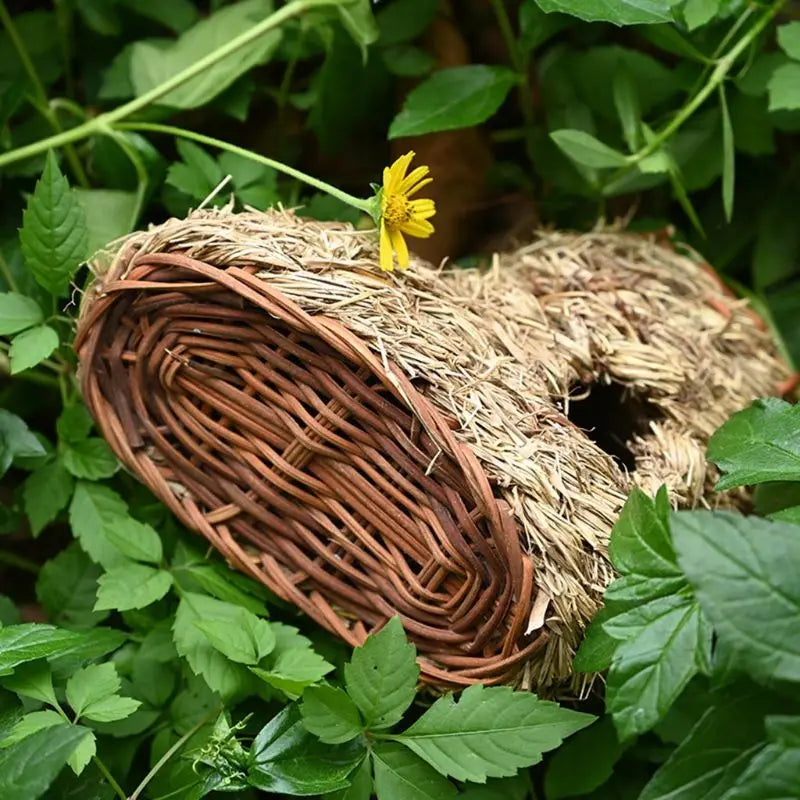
[(397, 211)]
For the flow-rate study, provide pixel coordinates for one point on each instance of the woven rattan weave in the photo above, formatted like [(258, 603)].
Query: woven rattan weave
[(279, 396)]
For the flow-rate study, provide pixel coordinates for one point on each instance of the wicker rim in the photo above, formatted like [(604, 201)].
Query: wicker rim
[(465, 537)]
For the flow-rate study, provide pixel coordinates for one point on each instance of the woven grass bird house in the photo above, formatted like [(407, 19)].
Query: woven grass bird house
[(450, 446)]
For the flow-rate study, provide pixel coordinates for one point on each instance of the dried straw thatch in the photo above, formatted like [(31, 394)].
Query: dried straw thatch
[(369, 444)]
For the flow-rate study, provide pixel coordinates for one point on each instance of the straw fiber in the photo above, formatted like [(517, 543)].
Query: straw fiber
[(449, 446)]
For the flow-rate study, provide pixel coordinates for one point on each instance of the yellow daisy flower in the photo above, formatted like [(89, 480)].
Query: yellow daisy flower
[(399, 214)]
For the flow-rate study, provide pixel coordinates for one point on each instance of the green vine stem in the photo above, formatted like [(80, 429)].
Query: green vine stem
[(718, 75), (105, 121), (41, 103), (155, 127)]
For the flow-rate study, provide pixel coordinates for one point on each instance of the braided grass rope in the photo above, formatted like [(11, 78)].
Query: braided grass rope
[(371, 444)]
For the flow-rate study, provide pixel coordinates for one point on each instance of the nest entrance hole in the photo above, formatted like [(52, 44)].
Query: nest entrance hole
[(611, 415)]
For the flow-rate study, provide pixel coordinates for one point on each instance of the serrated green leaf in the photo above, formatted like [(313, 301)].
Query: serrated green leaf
[(74, 423), (136, 540), (83, 753), (668, 642), (330, 714), (29, 767), (401, 775), (585, 149), (489, 732), (33, 679), (760, 443), (67, 589), (18, 312), (382, 675), (241, 637), (597, 647), (784, 87), (30, 641), (218, 580), (111, 709), (404, 20), (53, 235), (31, 347), (100, 520), (596, 748), (360, 787), (712, 758), (456, 97), (46, 491), (91, 644), (618, 12), (32, 723), (16, 441), (286, 758), (110, 214), (90, 685), (728, 156), (91, 459), (131, 586), (222, 675), (773, 774), (789, 39), (152, 63), (292, 669), (727, 557)]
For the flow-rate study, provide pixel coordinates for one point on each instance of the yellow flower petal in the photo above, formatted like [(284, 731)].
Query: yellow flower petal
[(397, 173), (400, 247), (422, 229), (415, 189), (414, 177), (422, 208), (385, 249)]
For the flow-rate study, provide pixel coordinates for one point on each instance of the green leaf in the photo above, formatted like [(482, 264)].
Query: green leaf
[(178, 15), (357, 19), (728, 557), (759, 444), (596, 748), (457, 97), (29, 767), (222, 675), (286, 758), (712, 758), (626, 101), (404, 20), (293, 669), (220, 581), (74, 423), (153, 63), (536, 27), (33, 679), (254, 184), (774, 773), (30, 724), (407, 61), (699, 12), (360, 787), (18, 312), (9, 613), (668, 641), (38, 31), (728, 156), (131, 586), (92, 693), (46, 491), (382, 675), (29, 641), (241, 637), (401, 775), (198, 174), (330, 714), (91, 459), (53, 235), (100, 520), (789, 39), (16, 441), (597, 647), (618, 12), (784, 88), (110, 214), (584, 149), (84, 752), (67, 587), (489, 732), (92, 644)]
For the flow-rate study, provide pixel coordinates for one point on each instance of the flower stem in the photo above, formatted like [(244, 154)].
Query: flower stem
[(18, 562), (210, 141), (108, 120), (118, 790)]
